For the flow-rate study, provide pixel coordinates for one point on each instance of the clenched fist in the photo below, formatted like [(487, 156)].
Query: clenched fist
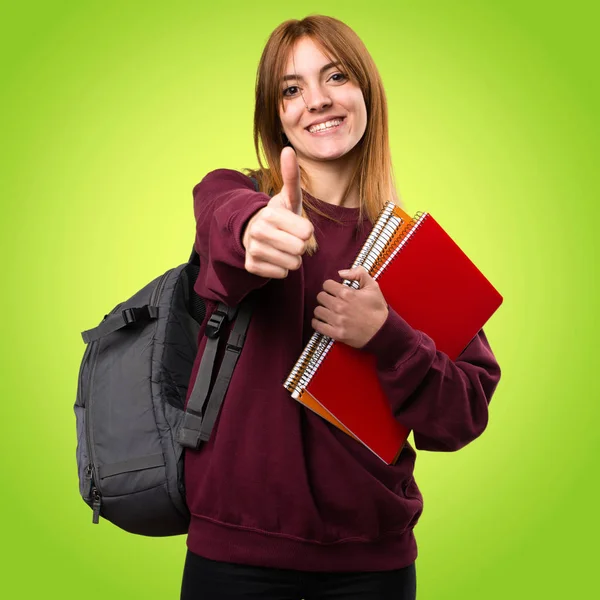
[(348, 315), (276, 237)]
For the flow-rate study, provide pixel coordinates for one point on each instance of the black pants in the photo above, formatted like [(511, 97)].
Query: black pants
[(205, 579)]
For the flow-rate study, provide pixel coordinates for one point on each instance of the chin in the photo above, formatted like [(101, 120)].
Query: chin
[(331, 154)]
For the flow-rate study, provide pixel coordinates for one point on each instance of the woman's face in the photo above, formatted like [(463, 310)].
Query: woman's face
[(337, 118)]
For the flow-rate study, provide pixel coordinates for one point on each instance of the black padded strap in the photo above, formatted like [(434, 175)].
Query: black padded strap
[(232, 353), (189, 433), (117, 321), (194, 259)]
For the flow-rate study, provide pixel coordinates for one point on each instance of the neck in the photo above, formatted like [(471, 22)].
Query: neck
[(329, 179)]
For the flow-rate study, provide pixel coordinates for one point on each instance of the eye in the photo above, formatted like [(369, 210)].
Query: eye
[(339, 77), (291, 91)]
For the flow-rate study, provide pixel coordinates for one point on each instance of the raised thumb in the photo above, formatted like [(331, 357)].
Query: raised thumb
[(290, 173)]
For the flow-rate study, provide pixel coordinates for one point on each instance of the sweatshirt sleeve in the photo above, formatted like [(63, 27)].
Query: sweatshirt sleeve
[(224, 201), (444, 402)]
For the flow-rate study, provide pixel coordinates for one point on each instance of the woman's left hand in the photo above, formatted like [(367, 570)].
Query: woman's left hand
[(348, 315)]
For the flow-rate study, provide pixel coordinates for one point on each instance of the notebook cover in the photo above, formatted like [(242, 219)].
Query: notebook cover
[(436, 288)]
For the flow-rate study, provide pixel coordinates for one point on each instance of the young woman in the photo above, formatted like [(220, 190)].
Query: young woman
[(283, 504)]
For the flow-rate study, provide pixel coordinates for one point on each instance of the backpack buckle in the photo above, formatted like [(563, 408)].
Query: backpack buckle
[(233, 348), (213, 327), (235, 342), (131, 315)]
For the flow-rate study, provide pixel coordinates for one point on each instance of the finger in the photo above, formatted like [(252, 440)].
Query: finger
[(292, 223), (325, 315), (290, 173), (324, 328), (260, 252), (338, 290), (279, 239), (359, 274), (264, 269), (327, 300)]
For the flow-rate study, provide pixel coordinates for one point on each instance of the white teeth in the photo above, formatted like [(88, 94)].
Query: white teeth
[(326, 125)]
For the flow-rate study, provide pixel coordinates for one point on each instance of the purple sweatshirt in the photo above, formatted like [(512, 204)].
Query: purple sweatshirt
[(277, 485)]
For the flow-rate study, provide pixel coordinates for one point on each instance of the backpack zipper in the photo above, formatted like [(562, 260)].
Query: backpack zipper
[(95, 495), (94, 491), (78, 402), (86, 356), (158, 289), (96, 506)]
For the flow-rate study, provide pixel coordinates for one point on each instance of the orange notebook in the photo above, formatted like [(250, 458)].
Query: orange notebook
[(430, 282)]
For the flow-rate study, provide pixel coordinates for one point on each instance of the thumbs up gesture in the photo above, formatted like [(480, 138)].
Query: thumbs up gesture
[(276, 237), (291, 192)]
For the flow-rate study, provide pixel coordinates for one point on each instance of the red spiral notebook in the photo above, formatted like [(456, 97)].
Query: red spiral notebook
[(430, 282)]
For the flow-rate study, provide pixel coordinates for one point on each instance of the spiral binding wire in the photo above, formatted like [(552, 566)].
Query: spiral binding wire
[(313, 364), (382, 219), (382, 244), (316, 350), (404, 238)]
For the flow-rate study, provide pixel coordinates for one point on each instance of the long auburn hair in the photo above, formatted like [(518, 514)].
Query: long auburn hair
[(373, 169)]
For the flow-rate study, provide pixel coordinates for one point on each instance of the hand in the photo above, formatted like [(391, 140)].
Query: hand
[(348, 315), (276, 236)]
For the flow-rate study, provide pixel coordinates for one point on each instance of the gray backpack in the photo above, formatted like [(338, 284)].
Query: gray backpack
[(131, 424)]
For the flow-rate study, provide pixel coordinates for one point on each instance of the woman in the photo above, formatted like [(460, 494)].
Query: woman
[(283, 504)]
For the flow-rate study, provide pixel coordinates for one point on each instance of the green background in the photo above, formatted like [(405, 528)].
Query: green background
[(112, 111)]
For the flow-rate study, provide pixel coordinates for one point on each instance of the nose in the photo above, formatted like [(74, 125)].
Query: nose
[(317, 98)]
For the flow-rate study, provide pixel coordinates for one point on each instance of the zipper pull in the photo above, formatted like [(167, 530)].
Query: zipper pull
[(96, 505)]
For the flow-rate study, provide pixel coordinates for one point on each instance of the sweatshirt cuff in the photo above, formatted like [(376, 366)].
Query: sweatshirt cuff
[(395, 341), (240, 218)]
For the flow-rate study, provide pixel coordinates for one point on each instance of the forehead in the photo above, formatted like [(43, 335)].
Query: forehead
[(306, 56)]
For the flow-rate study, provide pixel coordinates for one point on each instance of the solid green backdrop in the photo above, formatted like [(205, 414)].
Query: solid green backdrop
[(112, 111)]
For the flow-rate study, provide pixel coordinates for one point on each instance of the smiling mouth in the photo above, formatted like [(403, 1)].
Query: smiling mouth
[(326, 126)]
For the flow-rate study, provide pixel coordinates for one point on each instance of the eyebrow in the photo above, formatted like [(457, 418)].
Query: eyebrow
[(323, 69)]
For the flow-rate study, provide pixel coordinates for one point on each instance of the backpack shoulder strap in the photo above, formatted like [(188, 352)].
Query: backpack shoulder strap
[(201, 412), (232, 353)]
